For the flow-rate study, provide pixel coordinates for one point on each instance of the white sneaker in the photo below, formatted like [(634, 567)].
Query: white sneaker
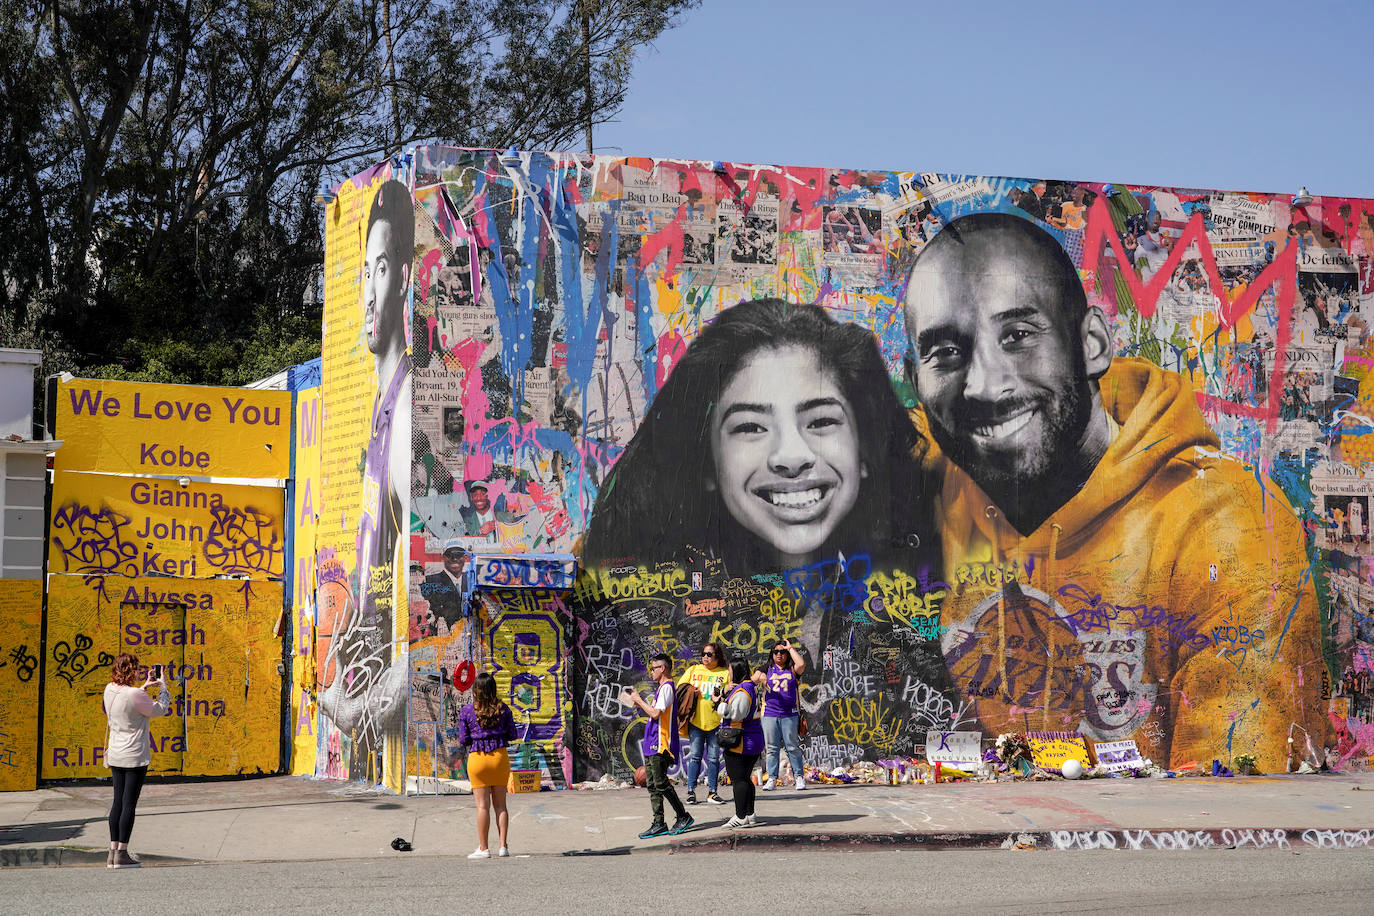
[(480, 854), (503, 853), (769, 785), (736, 822), (801, 784), (751, 821)]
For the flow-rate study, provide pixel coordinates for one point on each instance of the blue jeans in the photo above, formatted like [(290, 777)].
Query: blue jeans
[(703, 742), (779, 731)]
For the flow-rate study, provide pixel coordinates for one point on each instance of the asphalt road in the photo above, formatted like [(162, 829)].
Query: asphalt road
[(994, 882)]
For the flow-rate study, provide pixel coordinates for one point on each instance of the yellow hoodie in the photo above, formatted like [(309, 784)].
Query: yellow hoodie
[(1185, 614)]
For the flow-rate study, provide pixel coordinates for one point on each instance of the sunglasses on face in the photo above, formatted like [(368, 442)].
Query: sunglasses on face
[(708, 655), (779, 651)]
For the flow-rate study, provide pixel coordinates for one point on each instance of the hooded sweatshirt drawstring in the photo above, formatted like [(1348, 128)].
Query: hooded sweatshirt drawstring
[(1055, 530), (1049, 630), (991, 512)]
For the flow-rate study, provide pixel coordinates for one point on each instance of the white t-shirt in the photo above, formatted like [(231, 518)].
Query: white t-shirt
[(666, 696)]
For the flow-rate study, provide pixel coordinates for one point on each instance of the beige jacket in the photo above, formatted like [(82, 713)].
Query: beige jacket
[(128, 710)]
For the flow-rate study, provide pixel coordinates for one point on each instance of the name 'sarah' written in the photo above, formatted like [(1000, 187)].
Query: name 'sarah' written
[(97, 403), (139, 636)]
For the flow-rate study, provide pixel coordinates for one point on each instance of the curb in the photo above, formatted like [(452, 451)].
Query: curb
[(1169, 839), (830, 842), (59, 856), (1180, 839)]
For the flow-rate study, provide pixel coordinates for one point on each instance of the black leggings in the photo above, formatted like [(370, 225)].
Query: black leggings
[(740, 767), (128, 783)]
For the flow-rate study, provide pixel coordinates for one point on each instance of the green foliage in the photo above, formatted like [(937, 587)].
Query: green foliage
[(159, 161)]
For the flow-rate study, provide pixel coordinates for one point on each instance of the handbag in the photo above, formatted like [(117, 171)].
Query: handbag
[(731, 736)]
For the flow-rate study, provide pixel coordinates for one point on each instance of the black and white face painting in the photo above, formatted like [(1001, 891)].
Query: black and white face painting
[(786, 451)]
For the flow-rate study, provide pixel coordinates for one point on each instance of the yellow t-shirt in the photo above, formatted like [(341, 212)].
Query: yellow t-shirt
[(704, 679)]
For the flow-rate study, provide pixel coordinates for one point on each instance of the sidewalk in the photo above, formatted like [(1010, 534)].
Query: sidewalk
[(292, 818)]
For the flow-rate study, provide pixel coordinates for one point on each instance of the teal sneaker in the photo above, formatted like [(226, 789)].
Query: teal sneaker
[(682, 824), (657, 828)]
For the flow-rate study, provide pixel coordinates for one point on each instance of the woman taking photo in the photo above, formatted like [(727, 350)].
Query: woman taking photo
[(740, 710), (128, 747), (781, 717), (485, 727)]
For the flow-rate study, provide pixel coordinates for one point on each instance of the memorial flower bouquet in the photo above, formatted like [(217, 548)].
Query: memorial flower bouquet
[(1015, 752)]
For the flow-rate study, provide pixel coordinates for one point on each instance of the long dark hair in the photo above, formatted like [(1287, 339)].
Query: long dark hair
[(485, 704), (655, 504)]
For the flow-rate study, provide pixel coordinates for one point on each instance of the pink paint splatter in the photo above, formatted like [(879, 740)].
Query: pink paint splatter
[(1281, 275), (671, 346), (430, 266), (1353, 737), (668, 239)]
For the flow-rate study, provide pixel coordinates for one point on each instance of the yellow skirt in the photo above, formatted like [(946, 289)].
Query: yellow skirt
[(489, 769)]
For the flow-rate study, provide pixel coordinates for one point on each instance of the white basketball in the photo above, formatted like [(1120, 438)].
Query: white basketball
[(1072, 769)]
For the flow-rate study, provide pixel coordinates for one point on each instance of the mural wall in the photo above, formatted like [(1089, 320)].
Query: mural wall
[(446, 651), (527, 650), (994, 453), (147, 555), (361, 596)]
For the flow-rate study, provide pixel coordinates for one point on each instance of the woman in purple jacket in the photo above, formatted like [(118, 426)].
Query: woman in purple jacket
[(485, 727)]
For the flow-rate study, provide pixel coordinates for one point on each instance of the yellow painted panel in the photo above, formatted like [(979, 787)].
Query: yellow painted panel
[(305, 525), (198, 431), (138, 526), (215, 636), (21, 610)]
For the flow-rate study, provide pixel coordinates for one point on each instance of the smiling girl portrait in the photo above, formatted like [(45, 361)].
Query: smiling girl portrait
[(776, 442)]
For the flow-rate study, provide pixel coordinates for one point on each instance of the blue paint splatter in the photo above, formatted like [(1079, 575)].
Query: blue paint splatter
[(644, 327), (498, 281), (1231, 732)]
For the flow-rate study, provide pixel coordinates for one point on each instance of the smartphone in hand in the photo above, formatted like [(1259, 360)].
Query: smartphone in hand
[(155, 673)]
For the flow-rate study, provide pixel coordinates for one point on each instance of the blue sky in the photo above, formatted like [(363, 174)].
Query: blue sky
[(1259, 96)]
